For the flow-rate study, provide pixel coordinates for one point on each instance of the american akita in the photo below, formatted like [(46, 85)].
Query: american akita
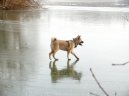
[(65, 45)]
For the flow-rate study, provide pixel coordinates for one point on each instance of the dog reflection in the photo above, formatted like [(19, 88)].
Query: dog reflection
[(67, 72)]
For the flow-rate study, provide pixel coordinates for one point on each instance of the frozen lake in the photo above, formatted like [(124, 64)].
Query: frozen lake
[(25, 69)]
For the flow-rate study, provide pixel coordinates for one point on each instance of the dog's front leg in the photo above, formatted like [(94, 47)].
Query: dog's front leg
[(74, 55), (68, 55)]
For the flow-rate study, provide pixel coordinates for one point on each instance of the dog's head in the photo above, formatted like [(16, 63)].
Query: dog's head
[(78, 41)]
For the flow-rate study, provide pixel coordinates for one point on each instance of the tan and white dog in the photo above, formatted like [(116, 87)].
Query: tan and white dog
[(65, 45)]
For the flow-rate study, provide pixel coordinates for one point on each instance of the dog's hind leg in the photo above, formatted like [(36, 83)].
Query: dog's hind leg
[(53, 54), (74, 55), (50, 54)]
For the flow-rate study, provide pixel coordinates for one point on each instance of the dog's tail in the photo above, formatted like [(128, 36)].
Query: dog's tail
[(53, 39)]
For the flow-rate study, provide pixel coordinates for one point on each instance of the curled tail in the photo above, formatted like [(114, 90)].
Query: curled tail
[(53, 39)]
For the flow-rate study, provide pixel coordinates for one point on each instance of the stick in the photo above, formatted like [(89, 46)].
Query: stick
[(93, 94), (115, 94), (98, 83), (122, 63)]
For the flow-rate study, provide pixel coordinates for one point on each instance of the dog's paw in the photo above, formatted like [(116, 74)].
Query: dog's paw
[(77, 58), (56, 59), (69, 59)]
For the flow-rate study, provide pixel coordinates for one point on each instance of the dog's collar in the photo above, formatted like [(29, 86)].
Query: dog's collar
[(74, 43), (68, 41)]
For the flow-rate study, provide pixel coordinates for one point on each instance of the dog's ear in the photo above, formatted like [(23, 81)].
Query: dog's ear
[(54, 39), (78, 36)]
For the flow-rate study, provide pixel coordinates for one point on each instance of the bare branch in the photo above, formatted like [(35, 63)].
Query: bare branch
[(115, 94), (93, 94), (98, 83), (121, 64)]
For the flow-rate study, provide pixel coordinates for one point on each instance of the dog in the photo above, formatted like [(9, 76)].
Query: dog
[(65, 45)]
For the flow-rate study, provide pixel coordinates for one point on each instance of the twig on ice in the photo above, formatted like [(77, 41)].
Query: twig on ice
[(98, 83), (115, 94), (122, 63), (93, 94)]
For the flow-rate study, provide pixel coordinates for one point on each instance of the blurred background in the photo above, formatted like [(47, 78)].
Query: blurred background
[(26, 28)]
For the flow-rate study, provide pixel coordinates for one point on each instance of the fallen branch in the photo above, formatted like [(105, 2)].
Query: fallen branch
[(115, 94), (93, 94), (122, 63), (98, 83)]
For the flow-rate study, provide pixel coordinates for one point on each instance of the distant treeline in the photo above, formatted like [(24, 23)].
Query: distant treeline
[(18, 4)]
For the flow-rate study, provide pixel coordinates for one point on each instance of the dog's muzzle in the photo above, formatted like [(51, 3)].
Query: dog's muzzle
[(81, 43)]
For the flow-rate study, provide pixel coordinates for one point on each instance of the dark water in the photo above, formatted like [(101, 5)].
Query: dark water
[(25, 69)]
